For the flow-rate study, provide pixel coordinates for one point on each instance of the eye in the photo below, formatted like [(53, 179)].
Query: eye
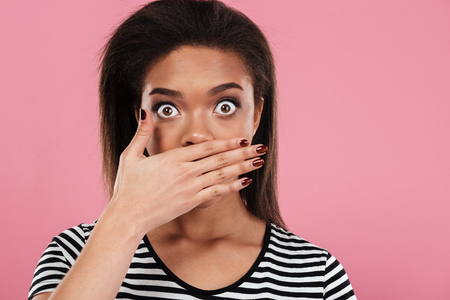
[(225, 107), (167, 111)]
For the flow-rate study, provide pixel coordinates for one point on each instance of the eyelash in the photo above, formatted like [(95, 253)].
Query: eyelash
[(233, 100), (157, 105)]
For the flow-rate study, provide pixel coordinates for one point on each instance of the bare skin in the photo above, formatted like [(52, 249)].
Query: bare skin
[(228, 237), (185, 195)]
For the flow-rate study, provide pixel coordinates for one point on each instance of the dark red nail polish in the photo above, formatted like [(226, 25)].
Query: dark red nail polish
[(261, 149), (246, 181), (243, 143), (142, 114), (258, 163)]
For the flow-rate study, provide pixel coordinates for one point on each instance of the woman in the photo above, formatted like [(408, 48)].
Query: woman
[(187, 105)]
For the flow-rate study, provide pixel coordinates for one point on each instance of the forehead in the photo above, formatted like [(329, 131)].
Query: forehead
[(191, 66)]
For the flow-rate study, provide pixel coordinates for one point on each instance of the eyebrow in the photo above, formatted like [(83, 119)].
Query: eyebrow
[(211, 92), (224, 87), (166, 92)]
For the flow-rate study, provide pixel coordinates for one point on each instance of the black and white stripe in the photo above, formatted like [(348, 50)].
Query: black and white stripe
[(288, 267)]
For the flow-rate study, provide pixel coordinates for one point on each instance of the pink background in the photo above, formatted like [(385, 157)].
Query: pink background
[(364, 92)]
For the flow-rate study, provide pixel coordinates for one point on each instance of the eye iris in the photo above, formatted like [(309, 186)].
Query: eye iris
[(225, 108), (167, 111)]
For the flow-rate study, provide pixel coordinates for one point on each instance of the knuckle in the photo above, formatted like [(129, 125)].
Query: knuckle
[(208, 148), (183, 171), (179, 172), (220, 175), (220, 160), (215, 192), (142, 132), (243, 168)]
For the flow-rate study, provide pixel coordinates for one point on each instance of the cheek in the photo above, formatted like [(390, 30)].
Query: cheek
[(242, 126), (246, 124), (162, 139)]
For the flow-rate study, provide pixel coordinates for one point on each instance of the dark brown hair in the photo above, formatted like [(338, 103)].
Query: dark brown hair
[(153, 32)]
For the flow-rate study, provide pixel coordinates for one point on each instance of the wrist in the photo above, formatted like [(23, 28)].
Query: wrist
[(122, 222)]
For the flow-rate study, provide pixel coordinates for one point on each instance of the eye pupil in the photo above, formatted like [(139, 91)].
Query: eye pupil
[(225, 108), (167, 111)]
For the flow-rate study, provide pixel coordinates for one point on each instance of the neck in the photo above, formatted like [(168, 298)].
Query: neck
[(223, 218)]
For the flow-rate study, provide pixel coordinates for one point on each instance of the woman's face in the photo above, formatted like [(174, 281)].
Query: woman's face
[(198, 94)]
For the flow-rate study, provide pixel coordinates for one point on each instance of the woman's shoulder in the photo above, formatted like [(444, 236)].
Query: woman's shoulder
[(289, 241), (292, 255), (79, 233), (71, 241)]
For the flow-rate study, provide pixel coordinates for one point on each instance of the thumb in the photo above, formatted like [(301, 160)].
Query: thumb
[(143, 133)]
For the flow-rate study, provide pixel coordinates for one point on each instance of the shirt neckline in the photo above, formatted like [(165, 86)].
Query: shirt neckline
[(198, 291)]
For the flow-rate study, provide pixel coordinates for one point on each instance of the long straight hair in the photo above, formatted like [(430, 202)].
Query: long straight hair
[(150, 34)]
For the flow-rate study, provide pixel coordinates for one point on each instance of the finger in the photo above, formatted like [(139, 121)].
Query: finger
[(229, 158), (143, 134), (202, 150), (220, 175), (220, 190)]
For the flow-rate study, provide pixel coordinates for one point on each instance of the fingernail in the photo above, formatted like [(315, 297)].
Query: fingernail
[(243, 143), (246, 182), (142, 114), (261, 149), (257, 163)]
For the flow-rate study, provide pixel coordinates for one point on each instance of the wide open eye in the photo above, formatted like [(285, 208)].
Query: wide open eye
[(225, 107), (167, 111)]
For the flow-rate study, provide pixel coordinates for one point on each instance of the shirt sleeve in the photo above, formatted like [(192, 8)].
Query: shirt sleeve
[(337, 285), (58, 258), (50, 270)]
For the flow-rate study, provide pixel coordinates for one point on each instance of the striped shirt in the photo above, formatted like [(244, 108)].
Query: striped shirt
[(288, 267)]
